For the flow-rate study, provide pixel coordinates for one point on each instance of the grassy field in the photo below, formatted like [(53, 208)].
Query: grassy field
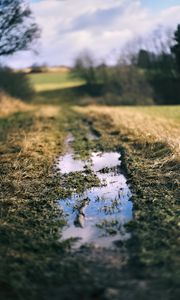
[(157, 124), (35, 263), (54, 81), (167, 112)]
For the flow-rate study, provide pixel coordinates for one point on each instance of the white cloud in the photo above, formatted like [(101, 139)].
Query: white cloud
[(171, 16), (70, 26)]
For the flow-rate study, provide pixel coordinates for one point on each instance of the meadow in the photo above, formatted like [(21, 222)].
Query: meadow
[(35, 262), (55, 80)]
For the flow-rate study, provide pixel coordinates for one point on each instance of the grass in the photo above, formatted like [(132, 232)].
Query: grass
[(35, 263), (51, 81), (11, 105), (159, 124), (166, 112), (150, 142), (30, 224)]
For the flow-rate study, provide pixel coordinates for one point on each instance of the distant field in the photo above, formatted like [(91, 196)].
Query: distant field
[(52, 81)]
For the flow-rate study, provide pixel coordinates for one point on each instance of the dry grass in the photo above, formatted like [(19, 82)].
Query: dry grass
[(59, 69), (9, 105), (146, 124), (33, 130), (31, 137), (149, 142)]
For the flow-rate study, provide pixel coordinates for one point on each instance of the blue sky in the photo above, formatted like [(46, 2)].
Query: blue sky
[(102, 26), (157, 5)]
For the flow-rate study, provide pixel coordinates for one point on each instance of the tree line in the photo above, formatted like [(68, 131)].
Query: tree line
[(147, 72)]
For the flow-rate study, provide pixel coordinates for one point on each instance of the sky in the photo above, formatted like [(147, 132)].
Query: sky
[(101, 26)]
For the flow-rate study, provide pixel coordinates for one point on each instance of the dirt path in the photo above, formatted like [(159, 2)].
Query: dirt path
[(36, 262)]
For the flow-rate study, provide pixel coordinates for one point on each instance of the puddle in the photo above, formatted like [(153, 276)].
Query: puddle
[(68, 164), (98, 215), (108, 160)]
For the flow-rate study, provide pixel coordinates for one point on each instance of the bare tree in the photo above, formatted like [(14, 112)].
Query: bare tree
[(85, 67), (159, 42), (17, 26)]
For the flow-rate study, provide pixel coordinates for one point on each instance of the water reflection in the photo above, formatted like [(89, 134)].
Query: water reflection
[(68, 164), (99, 214)]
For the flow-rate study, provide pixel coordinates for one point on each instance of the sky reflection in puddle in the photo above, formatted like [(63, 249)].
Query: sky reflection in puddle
[(99, 214), (68, 164)]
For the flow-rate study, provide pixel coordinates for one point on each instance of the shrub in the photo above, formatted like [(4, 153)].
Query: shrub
[(15, 84), (120, 84), (166, 89), (38, 69), (127, 85)]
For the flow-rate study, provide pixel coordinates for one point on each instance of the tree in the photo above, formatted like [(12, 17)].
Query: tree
[(144, 59), (17, 27), (15, 84), (85, 67), (176, 48)]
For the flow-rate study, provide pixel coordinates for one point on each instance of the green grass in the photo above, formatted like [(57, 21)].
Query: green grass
[(51, 81), (44, 78)]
